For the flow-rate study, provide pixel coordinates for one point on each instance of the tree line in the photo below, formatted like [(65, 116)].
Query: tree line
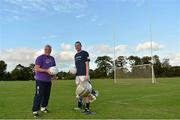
[(105, 68)]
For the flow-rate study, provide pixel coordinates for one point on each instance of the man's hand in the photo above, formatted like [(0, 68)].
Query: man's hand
[(48, 71), (38, 69), (87, 77)]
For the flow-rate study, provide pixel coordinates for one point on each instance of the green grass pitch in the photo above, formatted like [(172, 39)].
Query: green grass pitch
[(127, 99)]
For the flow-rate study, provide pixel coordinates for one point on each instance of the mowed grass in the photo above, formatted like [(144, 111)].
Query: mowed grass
[(127, 99)]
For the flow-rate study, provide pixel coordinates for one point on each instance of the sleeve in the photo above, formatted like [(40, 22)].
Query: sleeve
[(38, 61), (86, 56), (54, 62), (75, 59)]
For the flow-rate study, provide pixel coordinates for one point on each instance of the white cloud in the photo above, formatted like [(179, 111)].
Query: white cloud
[(46, 5), (38, 52), (147, 46), (26, 56), (66, 56), (19, 54), (23, 56), (65, 46), (121, 47), (68, 5), (174, 59), (102, 48), (22, 8)]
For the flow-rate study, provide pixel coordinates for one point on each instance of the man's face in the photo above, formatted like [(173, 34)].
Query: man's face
[(47, 50), (78, 46)]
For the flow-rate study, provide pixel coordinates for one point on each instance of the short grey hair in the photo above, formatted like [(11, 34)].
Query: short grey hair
[(49, 46)]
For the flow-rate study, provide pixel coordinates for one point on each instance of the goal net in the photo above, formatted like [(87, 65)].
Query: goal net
[(134, 73)]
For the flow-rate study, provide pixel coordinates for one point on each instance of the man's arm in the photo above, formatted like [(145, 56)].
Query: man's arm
[(87, 70), (39, 69), (86, 59)]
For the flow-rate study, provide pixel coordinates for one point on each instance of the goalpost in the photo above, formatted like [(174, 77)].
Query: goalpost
[(114, 60), (151, 39), (140, 71), (133, 71)]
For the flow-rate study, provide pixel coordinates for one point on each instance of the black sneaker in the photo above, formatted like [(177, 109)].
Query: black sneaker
[(88, 112), (36, 115)]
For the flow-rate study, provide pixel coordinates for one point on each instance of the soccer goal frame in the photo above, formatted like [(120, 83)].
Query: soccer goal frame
[(151, 49), (142, 71)]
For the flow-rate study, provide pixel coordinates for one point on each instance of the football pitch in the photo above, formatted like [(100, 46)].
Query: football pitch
[(131, 98)]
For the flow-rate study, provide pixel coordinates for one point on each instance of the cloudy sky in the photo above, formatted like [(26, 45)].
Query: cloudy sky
[(27, 25)]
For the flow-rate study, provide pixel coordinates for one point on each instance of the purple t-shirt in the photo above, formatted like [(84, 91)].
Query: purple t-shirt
[(44, 62)]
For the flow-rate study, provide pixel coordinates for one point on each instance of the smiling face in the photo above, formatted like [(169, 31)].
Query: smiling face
[(47, 50), (78, 46)]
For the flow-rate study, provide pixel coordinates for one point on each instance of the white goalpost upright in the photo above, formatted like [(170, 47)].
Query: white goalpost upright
[(114, 60), (136, 72), (152, 58), (151, 39)]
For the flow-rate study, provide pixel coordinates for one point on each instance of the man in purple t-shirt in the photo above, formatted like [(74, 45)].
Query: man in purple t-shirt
[(43, 80)]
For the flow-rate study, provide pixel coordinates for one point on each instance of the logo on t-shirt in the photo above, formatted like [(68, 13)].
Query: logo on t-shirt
[(47, 61), (78, 58)]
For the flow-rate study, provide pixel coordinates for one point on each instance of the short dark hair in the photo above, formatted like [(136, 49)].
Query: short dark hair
[(78, 42)]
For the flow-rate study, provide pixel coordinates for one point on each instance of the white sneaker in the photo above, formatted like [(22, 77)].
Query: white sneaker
[(35, 114), (44, 110)]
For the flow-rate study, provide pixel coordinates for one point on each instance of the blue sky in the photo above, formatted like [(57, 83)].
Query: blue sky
[(30, 24)]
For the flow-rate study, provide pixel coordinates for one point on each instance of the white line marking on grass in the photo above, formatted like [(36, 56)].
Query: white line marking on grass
[(125, 101)]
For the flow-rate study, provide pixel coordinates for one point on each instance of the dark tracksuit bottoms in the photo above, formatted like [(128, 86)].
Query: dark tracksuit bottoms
[(42, 95)]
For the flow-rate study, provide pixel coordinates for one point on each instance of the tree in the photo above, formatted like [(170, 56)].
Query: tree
[(134, 60), (17, 73), (7, 76), (165, 63), (65, 75), (30, 71), (175, 71), (92, 73), (157, 66), (3, 67), (98, 73), (120, 61), (146, 60), (104, 64), (23, 73)]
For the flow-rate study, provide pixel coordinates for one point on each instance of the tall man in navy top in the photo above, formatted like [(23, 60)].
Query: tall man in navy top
[(43, 81), (82, 65)]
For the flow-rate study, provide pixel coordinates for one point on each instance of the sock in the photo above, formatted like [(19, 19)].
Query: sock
[(87, 106), (80, 103)]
